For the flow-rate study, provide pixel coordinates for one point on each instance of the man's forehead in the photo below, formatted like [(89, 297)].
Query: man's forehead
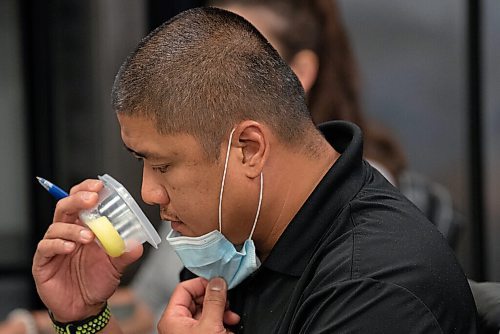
[(134, 125), (142, 139)]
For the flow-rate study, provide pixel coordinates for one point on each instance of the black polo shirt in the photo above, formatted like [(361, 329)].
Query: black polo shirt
[(357, 258)]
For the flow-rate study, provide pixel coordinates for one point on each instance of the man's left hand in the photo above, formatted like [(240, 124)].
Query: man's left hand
[(198, 306)]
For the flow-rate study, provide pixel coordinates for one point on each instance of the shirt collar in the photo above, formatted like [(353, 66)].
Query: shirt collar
[(341, 183)]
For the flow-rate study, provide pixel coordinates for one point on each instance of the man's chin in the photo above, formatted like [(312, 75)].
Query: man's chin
[(178, 227)]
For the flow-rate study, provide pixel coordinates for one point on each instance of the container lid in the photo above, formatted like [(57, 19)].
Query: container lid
[(152, 236)]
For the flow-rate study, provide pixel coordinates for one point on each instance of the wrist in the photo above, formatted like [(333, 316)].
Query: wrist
[(68, 315)]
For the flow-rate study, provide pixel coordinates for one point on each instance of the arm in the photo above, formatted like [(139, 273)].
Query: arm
[(73, 275), (133, 316), (44, 325)]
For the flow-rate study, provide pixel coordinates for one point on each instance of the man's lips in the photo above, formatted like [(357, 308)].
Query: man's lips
[(176, 226), (175, 223)]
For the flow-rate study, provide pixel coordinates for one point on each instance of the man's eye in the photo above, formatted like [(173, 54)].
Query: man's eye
[(160, 169)]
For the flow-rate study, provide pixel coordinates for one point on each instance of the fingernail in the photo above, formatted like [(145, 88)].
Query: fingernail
[(96, 183), (217, 284), (69, 245), (86, 235)]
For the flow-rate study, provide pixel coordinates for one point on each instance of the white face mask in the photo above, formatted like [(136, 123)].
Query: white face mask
[(213, 255)]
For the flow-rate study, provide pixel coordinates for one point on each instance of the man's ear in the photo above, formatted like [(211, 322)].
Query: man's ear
[(250, 137), (305, 64)]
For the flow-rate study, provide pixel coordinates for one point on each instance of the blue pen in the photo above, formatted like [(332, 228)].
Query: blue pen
[(54, 190)]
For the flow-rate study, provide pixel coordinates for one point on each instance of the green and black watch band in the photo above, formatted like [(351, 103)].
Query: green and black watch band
[(89, 325)]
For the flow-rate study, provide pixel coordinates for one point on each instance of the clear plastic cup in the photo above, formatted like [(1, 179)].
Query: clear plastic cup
[(117, 220)]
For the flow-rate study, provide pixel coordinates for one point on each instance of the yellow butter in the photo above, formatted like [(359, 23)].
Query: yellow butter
[(109, 238)]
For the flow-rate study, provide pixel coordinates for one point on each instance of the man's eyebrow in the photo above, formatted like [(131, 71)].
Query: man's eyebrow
[(137, 154), (143, 155)]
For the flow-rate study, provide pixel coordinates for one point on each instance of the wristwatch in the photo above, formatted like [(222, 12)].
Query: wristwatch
[(89, 325)]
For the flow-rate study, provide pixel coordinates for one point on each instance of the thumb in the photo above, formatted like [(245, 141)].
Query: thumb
[(214, 303)]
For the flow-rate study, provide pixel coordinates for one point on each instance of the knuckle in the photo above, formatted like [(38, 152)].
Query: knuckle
[(62, 230), (73, 190), (60, 205), (43, 247), (78, 187), (216, 300), (49, 230), (40, 246), (52, 231), (216, 328)]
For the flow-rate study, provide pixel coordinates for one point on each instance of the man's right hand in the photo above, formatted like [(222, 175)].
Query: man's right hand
[(73, 275)]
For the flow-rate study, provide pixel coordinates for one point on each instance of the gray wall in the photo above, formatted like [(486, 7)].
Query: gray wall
[(13, 195), (13, 189), (492, 133), (413, 61)]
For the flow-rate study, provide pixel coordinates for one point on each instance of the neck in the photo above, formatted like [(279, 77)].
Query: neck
[(288, 187)]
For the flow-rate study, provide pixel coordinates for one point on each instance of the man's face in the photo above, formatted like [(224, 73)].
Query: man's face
[(179, 178)]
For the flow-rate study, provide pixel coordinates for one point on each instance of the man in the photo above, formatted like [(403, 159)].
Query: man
[(307, 236)]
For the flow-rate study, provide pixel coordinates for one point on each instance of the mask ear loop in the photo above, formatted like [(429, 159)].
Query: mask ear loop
[(224, 179), (222, 190), (258, 207)]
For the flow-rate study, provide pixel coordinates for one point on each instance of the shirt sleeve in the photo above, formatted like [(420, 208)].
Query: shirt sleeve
[(364, 306)]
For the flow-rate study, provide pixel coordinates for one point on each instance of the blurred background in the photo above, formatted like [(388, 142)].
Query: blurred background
[(428, 74)]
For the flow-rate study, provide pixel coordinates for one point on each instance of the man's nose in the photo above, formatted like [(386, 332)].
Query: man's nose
[(152, 191)]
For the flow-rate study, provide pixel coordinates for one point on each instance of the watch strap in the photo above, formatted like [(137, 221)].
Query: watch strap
[(89, 325)]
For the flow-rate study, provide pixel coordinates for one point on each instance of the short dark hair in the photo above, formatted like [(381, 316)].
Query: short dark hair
[(204, 71)]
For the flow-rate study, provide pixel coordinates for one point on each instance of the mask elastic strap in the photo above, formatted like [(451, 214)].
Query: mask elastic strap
[(224, 179), (222, 190), (258, 207)]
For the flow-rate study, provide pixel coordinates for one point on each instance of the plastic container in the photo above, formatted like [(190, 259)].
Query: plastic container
[(117, 220)]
